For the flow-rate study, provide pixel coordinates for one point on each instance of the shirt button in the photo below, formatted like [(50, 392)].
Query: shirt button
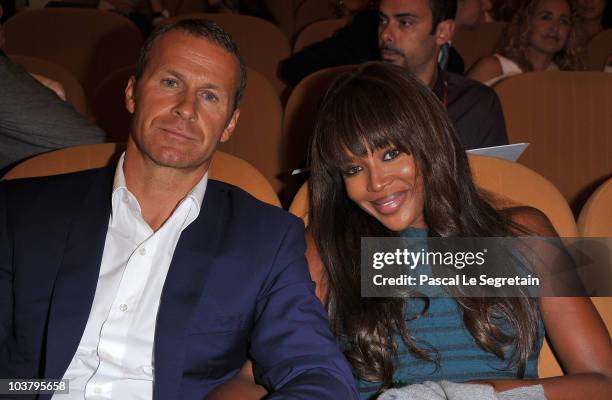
[(97, 390), (123, 307), (142, 251)]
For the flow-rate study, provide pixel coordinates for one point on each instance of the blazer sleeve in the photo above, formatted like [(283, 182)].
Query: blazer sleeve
[(494, 127), (294, 352), (476, 113), (34, 120), (6, 284)]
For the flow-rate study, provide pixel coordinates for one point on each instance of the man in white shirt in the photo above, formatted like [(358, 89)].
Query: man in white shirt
[(150, 280)]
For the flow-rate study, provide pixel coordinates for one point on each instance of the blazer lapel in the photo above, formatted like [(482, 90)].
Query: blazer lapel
[(183, 288), (77, 277)]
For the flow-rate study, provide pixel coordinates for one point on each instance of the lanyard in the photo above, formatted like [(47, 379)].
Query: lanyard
[(445, 93)]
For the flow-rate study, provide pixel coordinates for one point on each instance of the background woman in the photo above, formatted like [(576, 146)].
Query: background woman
[(386, 162), (542, 36), (592, 19)]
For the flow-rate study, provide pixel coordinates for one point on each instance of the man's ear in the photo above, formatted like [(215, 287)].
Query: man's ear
[(130, 93), (231, 125), (445, 32)]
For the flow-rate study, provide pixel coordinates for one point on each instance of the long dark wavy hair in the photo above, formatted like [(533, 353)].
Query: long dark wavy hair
[(375, 106), (515, 40)]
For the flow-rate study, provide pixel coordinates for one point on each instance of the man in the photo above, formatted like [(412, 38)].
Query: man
[(471, 13), (149, 278), (357, 43), (411, 33), (34, 119)]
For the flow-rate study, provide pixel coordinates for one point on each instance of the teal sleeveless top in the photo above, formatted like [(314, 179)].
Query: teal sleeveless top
[(442, 330)]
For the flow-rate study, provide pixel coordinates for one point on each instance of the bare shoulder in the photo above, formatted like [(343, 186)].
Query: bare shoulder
[(315, 267), (485, 69), (312, 253), (531, 221)]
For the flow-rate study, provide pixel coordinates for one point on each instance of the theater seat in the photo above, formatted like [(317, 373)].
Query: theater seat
[(224, 167)]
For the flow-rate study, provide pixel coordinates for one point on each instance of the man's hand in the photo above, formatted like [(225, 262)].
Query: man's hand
[(51, 84)]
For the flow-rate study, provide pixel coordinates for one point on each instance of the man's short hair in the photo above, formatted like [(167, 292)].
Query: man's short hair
[(441, 10), (199, 28)]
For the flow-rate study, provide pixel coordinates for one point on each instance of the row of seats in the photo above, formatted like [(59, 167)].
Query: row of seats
[(92, 43), (509, 184), (289, 15), (472, 44), (563, 115)]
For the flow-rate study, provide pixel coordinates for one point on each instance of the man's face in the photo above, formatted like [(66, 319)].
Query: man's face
[(183, 102), (405, 34)]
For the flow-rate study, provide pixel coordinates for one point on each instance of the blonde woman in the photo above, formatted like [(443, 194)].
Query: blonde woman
[(541, 37)]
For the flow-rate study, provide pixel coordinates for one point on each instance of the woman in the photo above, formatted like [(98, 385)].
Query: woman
[(386, 162), (541, 37)]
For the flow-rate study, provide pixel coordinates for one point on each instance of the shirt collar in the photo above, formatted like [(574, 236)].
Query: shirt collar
[(119, 186)]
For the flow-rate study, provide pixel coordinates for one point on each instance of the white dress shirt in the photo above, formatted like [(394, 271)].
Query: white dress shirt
[(114, 359)]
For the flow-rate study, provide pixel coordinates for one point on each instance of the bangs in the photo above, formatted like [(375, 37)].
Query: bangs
[(356, 115)]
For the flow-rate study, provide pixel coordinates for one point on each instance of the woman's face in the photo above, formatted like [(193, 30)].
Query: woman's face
[(591, 9), (386, 184), (550, 25)]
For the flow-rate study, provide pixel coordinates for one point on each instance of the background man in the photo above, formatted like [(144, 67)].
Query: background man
[(151, 278), (34, 119), (357, 42), (411, 33), (471, 13)]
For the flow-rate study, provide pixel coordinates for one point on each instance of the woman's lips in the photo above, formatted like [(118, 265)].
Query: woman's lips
[(389, 204)]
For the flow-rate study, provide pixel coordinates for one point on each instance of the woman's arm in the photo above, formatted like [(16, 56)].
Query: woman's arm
[(485, 69), (577, 334), (316, 268)]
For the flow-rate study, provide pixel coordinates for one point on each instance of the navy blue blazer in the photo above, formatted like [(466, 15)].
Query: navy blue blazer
[(238, 287)]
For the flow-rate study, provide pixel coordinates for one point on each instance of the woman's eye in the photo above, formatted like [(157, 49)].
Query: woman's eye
[(565, 21), (352, 170), (391, 154)]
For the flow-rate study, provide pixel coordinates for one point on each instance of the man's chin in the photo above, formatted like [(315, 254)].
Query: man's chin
[(173, 159), (395, 61)]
